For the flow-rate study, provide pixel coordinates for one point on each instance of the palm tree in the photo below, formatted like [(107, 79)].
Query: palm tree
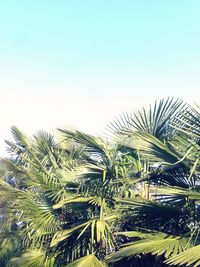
[(64, 197), (173, 183), (81, 200)]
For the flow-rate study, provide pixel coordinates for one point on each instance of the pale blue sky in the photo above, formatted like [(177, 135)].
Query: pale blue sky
[(93, 59)]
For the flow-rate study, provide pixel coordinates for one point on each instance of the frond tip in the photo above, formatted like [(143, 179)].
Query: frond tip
[(90, 261)]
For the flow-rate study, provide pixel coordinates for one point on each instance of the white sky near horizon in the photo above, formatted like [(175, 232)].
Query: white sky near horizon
[(33, 112), (82, 63)]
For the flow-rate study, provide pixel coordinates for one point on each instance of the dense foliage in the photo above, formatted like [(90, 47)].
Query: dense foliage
[(131, 199)]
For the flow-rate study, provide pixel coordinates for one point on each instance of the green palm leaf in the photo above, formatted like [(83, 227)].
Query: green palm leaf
[(189, 257), (176, 191), (33, 258), (188, 122), (155, 121), (97, 201), (64, 234), (90, 261), (9, 246), (155, 150), (162, 245)]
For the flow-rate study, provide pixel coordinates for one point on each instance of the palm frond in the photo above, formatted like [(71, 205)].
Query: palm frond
[(64, 234), (90, 260), (8, 248), (97, 201), (155, 121), (189, 257), (33, 258), (91, 143), (188, 122), (176, 191), (162, 245), (155, 150)]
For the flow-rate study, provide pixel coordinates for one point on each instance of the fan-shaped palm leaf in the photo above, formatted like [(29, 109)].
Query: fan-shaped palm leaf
[(155, 121)]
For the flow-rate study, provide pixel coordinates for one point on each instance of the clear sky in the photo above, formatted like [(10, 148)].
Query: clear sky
[(82, 62)]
